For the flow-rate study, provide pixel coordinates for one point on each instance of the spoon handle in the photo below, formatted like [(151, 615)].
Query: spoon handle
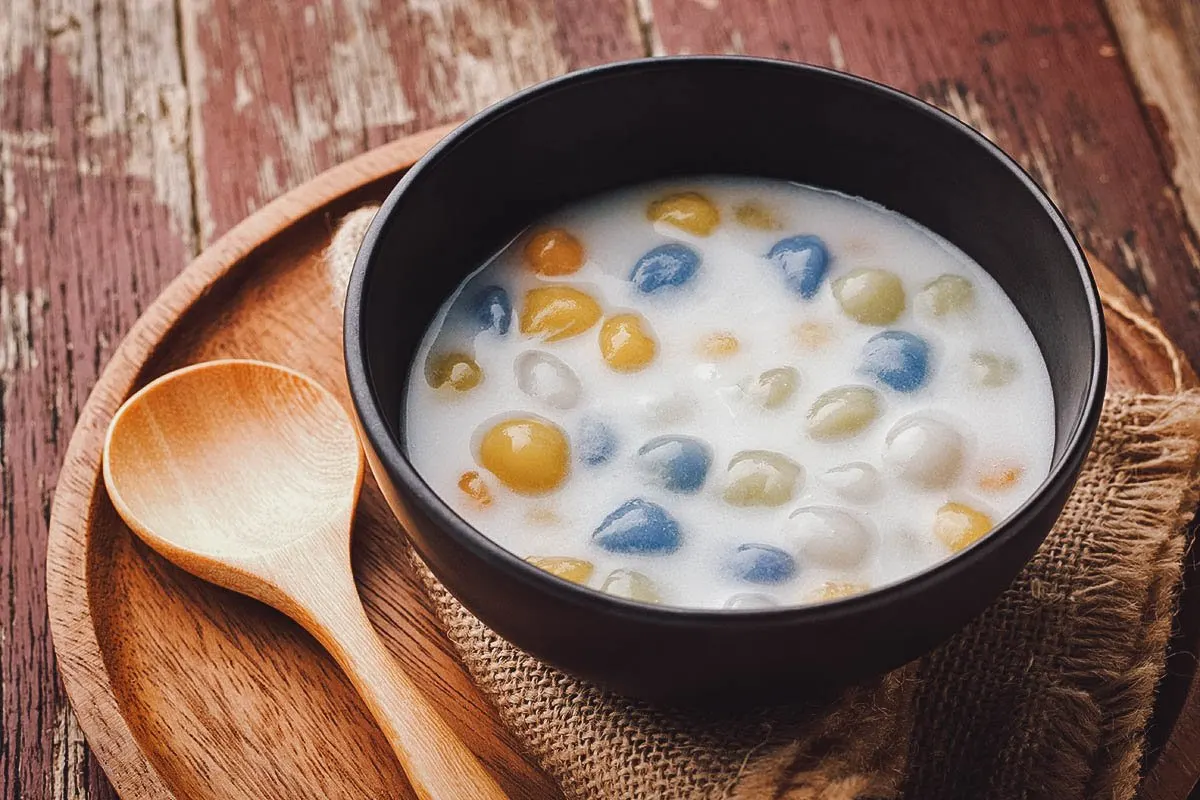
[(438, 764)]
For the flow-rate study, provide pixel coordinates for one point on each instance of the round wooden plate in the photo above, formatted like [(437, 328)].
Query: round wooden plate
[(186, 690)]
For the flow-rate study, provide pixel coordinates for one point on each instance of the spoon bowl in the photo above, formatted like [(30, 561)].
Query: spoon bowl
[(232, 460), (246, 474)]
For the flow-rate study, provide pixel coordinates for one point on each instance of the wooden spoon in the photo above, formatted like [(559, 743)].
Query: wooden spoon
[(246, 474)]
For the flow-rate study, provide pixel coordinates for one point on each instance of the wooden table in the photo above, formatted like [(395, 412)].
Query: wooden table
[(133, 132)]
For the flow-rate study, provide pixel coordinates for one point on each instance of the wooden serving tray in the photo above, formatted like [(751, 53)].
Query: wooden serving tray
[(186, 690)]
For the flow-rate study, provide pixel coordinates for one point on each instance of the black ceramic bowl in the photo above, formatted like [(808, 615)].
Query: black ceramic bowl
[(631, 122)]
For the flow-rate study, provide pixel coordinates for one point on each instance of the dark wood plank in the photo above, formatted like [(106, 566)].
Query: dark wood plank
[(1043, 78), (95, 217), (1160, 40), (283, 92)]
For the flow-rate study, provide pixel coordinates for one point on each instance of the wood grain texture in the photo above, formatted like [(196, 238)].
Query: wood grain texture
[(129, 657), (95, 210), (1044, 80), (283, 92), (1161, 43)]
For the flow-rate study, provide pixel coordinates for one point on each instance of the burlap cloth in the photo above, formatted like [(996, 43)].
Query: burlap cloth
[(1046, 695)]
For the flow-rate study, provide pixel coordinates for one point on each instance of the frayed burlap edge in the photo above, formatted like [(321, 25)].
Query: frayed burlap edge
[(1155, 492), (343, 249), (858, 751)]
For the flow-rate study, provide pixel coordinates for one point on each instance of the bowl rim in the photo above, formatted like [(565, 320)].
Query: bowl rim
[(374, 426)]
